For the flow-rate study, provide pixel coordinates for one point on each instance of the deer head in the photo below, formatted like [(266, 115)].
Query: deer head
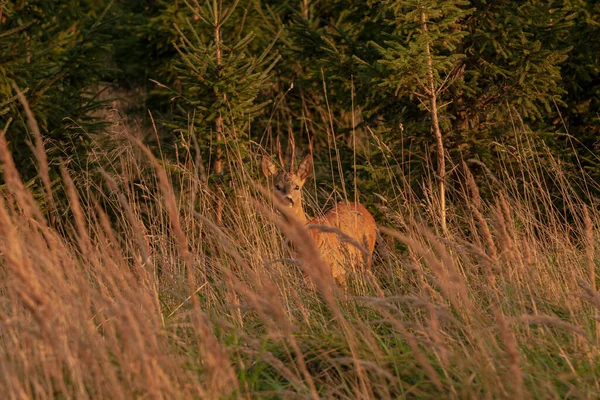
[(289, 184)]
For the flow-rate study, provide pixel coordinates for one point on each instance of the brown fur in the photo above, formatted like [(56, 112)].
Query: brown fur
[(352, 219)]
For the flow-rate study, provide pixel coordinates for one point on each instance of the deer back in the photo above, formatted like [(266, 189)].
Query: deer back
[(357, 225)]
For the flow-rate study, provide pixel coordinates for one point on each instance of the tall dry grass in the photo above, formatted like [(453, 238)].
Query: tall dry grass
[(135, 291)]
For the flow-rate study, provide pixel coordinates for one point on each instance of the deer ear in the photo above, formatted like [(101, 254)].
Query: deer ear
[(305, 167), (268, 166)]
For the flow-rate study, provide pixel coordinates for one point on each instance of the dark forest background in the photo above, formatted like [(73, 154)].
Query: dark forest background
[(236, 75)]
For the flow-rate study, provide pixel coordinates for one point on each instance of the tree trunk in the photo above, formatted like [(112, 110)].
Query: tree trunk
[(437, 133), (219, 125)]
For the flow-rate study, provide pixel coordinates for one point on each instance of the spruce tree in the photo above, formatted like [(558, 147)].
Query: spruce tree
[(422, 58), (221, 78), (514, 51), (579, 120), (55, 52)]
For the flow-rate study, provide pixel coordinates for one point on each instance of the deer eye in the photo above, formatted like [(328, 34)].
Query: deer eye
[(297, 187)]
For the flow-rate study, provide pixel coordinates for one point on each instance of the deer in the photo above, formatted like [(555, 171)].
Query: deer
[(333, 233)]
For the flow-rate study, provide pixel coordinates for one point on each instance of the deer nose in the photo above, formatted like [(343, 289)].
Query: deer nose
[(288, 199)]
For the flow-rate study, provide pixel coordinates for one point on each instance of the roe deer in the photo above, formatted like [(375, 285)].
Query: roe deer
[(352, 219)]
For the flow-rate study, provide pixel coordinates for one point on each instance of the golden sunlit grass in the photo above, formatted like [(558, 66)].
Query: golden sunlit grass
[(135, 291)]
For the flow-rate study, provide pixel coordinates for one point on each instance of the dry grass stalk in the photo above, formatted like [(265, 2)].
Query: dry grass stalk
[(512, 351), (553, 321), (590, 253), (39, 150)]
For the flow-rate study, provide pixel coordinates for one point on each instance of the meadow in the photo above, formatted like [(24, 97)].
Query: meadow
[(135, 291)]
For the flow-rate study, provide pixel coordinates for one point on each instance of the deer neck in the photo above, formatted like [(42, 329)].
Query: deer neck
[(298, 211)]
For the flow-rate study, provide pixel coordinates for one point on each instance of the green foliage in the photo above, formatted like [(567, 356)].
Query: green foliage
[(512, 64), (421, 28), (497, 65), (348, 70), (580, 107), (221, 77), (56, 53), (144, 37)]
